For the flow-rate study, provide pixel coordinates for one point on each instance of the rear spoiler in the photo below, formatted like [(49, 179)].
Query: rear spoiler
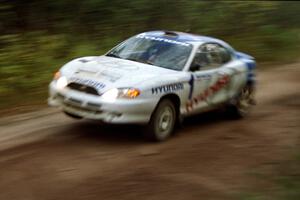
[(243, 55)]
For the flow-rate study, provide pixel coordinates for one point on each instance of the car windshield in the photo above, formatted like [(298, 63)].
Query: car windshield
[(158, 51)]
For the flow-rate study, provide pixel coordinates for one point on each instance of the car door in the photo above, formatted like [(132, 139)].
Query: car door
[(211, 77), (230, 76)]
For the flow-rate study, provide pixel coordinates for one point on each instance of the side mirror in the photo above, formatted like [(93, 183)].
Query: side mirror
[(195, 67)]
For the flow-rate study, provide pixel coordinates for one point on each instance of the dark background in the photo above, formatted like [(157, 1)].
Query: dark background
[(38, 36)]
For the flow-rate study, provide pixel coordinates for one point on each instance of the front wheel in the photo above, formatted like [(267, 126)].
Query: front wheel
[(162, 121)]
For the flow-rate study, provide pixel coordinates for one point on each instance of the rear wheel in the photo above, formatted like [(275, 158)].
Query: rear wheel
[(243, 103), (162, 121)]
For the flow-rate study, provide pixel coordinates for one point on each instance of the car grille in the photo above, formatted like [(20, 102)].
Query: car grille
[(83, 88), (78, 108), (78, 104)]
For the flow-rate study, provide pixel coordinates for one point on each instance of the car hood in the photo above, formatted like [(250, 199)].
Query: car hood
[(105, 72)]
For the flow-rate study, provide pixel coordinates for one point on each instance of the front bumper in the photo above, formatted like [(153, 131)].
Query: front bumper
[(92, 107)]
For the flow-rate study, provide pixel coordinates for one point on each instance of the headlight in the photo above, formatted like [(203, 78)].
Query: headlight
[(61, 82), (127, 93), (57, 75)]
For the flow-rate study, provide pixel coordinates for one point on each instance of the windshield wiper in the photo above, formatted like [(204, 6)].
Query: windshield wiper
[(113, 55), (141, 61), (149, 62)]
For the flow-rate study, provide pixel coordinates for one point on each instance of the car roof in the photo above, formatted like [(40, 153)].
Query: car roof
[(185, 37)]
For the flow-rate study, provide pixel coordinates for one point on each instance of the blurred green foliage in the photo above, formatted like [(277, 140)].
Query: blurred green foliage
[(38, 36)]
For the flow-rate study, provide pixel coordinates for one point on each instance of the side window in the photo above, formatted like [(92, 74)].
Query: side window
[(210, 56)]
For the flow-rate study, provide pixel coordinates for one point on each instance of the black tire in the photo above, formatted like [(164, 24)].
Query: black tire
[(242, 103), (72, 115), (162, 121)]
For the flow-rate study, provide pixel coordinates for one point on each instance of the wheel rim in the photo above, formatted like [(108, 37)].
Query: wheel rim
[(165, 121)]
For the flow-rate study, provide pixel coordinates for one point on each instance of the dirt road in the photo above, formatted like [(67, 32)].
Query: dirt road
[(45, 155)]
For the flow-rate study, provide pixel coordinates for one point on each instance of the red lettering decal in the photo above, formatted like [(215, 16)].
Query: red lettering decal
[(202, 97), (195, 100), (206, 93), (189, 106), (199, 98), (215, 87)]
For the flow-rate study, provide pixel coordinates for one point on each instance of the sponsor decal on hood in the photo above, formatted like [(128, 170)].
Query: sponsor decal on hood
[(95, 84)]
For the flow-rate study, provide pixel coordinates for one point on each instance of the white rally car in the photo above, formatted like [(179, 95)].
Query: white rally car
[(156, 78)]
